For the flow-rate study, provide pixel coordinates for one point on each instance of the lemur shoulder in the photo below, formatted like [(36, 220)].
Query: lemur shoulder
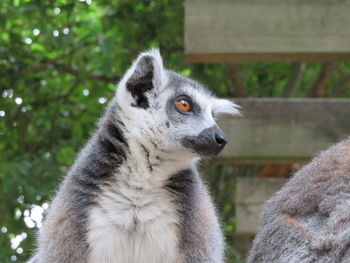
[(134, 193), (308, 220)]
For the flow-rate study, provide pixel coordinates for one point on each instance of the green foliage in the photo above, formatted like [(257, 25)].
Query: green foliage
[(59, 62)]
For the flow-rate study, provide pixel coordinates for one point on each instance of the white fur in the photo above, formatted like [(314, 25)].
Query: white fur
[(224, 106), (135, 219)]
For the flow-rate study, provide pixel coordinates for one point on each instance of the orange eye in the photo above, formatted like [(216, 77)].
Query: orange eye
[(183, 105)]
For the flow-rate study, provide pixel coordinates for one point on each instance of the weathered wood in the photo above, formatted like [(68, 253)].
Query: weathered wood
[(267, 30), (284, 130), (251, 194)]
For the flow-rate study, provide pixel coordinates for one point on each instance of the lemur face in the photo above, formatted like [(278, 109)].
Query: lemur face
[(174, 113)]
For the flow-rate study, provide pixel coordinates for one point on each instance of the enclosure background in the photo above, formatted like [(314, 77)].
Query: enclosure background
[(59, 65)]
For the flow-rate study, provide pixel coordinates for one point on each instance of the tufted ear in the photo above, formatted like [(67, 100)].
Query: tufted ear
[(145, 74), (224, 106)]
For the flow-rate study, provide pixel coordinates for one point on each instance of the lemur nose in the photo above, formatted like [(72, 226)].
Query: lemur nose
[(209, 142), (220, 139)]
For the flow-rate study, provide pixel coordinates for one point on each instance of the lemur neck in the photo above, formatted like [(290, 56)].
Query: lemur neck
[(145, 155), (154, 161)]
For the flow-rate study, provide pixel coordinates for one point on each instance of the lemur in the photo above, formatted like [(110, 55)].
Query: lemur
[(134, 193), (308, 220)]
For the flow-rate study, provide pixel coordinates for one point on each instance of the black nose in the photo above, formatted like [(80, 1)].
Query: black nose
[(220, 139), (209, 142)]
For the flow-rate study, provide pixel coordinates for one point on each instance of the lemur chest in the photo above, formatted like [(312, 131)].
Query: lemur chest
[(131, 225)]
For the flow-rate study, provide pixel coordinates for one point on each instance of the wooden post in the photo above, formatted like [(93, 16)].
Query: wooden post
[(284, 130), (267, 30)]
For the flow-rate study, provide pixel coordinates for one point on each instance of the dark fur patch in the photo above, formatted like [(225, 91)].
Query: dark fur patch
[(115, 132), (184, 187), (181, 184), (141, 81), (146, 151), (102, 156), (110, 147)]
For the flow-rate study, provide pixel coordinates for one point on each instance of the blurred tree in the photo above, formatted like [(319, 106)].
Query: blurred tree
[(59, 64)]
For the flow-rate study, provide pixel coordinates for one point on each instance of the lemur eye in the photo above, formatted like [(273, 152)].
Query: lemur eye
[(184, 104)]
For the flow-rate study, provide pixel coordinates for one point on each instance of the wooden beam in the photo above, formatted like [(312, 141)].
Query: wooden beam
[(284, 130), (266, 57), (251, 194), (267, 30)]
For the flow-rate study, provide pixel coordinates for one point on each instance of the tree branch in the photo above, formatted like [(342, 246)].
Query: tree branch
[(94, 76), (234, 75), (44, 64), (320, 85), (343, 86), (294, 82)]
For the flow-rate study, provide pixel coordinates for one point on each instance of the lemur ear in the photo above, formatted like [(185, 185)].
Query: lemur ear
[(146, 73), (224, 106)]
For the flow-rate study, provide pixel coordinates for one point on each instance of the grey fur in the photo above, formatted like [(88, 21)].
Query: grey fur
[(308, 220), (63, 237), (199, 232)]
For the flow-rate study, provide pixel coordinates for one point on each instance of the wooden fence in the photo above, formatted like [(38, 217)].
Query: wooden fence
[(272, 130), (267, 30)]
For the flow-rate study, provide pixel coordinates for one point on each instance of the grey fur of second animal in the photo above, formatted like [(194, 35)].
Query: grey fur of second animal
[(308, 220), (134, 193)]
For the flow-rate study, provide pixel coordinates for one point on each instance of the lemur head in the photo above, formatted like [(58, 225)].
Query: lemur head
[(165, 110)]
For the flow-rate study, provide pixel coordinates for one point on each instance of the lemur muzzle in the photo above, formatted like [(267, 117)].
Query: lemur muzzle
[(209, 142)]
